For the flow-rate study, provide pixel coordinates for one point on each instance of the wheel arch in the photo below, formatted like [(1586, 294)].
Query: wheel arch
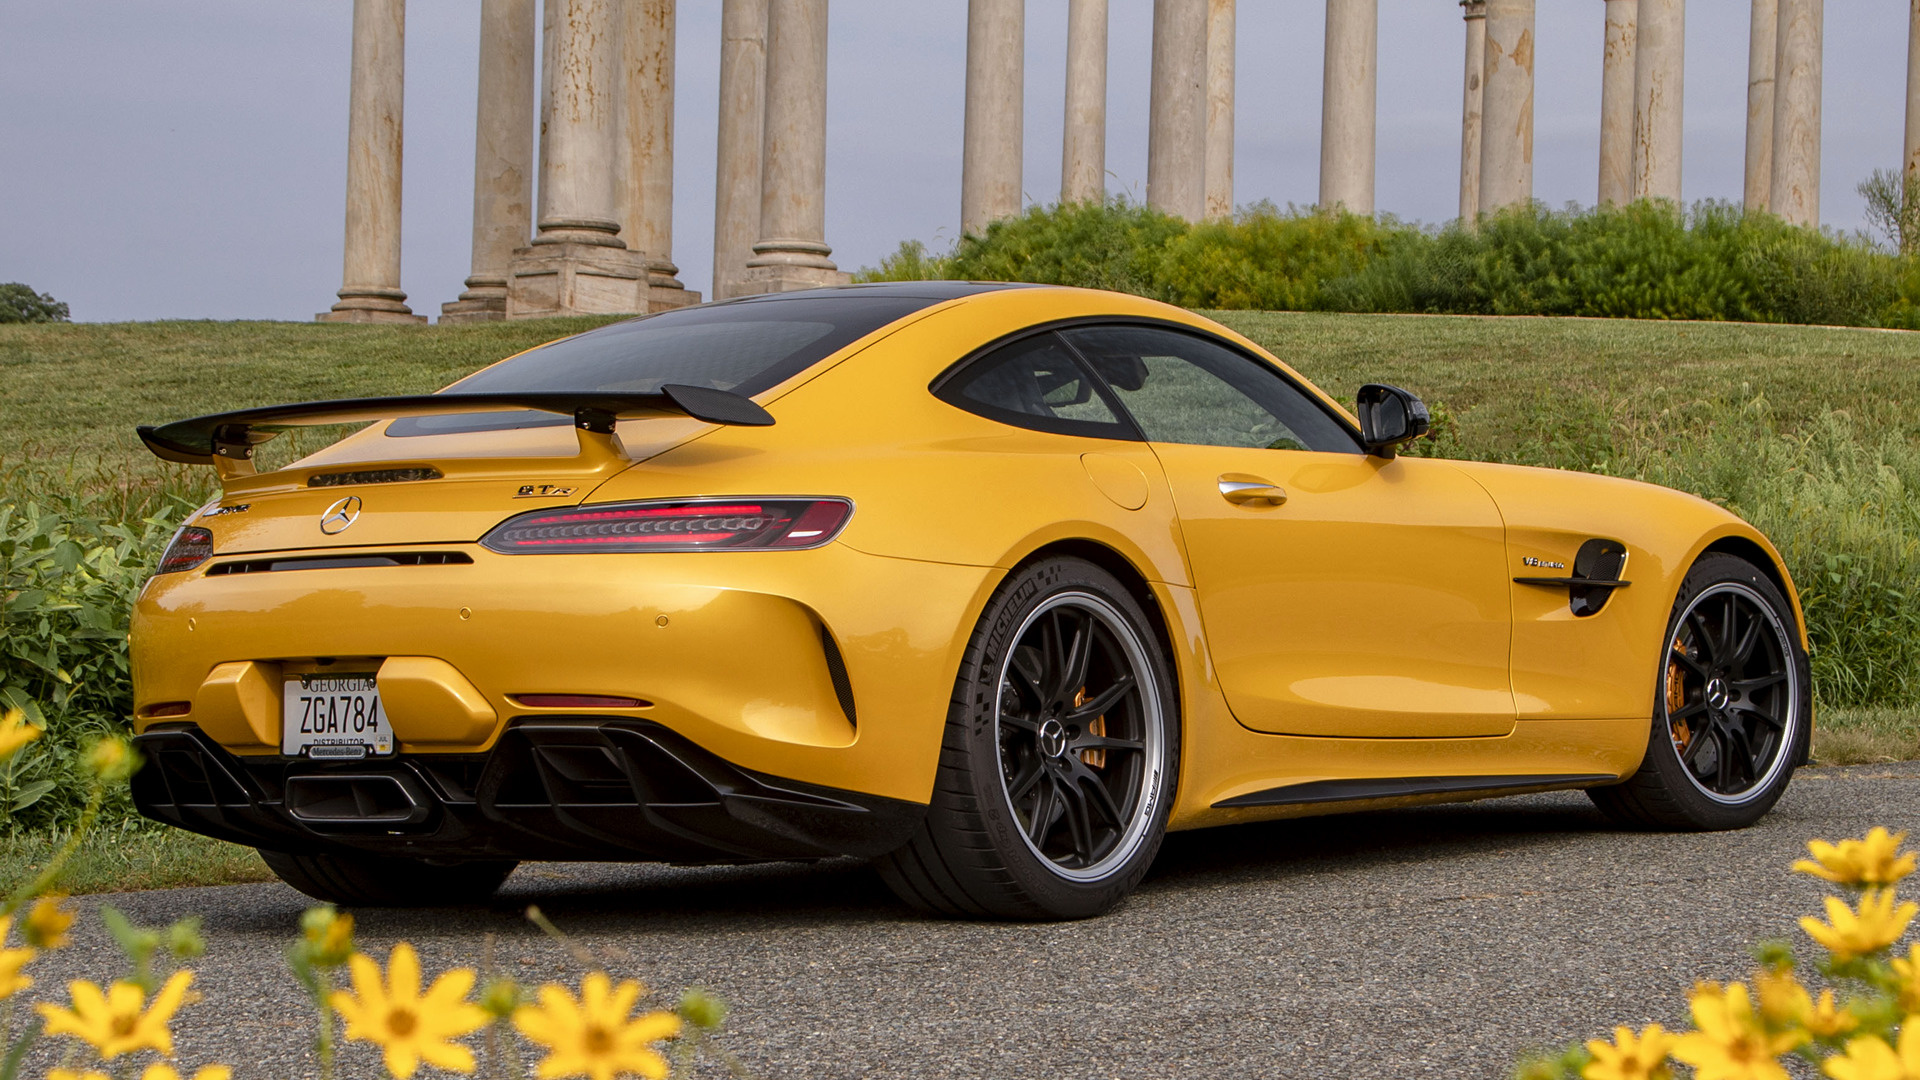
[(1767, 560)]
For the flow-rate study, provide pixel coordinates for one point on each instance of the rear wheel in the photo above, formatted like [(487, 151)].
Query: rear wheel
[(1732, 706), (374, 881), (1057, 771)]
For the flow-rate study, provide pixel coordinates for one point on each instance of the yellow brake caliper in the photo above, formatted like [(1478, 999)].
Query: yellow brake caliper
[(1096, 759), (1677, 698)]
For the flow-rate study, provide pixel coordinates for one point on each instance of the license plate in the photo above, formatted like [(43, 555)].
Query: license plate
[(334, 716)]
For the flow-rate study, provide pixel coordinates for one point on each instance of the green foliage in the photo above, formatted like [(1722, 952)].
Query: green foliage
[(19, 303), (1644, 261), (74, 551)]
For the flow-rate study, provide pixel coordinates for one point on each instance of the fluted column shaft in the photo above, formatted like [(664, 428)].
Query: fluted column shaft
[(1474, 13), (1506, 139), (1220, 62), (502, 157), (1083, 153), (1616, 103), (743, 103), (370, 275), (1177, 109), (792, 250), (1659, 67), (1761, 41), (1795, 183), (1347, 105), (991, 142), (578, 202), (646, 30)]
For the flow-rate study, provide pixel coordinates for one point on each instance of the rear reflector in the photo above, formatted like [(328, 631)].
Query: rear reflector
[(191, 546), (579, 701), (681, 525)]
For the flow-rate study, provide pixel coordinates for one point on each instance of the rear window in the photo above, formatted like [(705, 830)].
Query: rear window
[(744, 347)]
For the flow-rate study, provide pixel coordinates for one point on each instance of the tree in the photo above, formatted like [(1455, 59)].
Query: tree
[(1893, 208), (19, 303)]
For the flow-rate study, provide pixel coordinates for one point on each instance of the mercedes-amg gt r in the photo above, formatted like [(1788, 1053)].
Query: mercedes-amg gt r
[(993, 585)]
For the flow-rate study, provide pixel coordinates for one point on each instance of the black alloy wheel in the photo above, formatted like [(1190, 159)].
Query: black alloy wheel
[(1057, 771), (1732, 709), (1076, 740)]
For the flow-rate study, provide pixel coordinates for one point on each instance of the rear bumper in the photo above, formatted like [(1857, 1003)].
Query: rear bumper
[(564, 788)]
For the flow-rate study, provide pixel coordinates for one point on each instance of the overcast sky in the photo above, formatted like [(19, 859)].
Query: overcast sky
[(187, 158)]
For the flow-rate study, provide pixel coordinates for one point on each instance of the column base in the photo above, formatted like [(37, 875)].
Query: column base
[(370, 305), (773, 279), (484, 301), (666, 297), (576, 279)]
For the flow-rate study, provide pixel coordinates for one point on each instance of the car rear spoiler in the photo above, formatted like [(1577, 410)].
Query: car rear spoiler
[(226, 440)]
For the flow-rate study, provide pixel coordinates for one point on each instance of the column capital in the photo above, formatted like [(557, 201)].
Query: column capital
[(1473, 9)]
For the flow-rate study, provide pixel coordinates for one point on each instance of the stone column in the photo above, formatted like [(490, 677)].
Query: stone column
[(1760, 56), (1659, 54), (502, 158), (743, 103), (1220, 57), (792, 250), (577, 263), (1794, 189), (1616, 104), (991, 142), (1910, 163), (1177, 109), (1506, 130), (1083, 155), (370, 279), (645, 163), (1474, 12), (1347, 105)]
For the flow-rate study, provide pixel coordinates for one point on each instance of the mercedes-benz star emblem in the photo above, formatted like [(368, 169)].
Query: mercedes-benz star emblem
[(340, 515)]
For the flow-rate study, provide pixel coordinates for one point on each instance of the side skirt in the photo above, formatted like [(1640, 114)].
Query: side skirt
[(1325, 791)]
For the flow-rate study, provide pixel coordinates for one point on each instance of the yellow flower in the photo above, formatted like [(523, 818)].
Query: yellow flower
[(11, 961), (110, 758), (596, 1036), (119, 1021), (1784, 1003), (15, 733), (1907, 970), (329, 935), (409, 1026), (1628, 1058), (163, 1071), (47, 922), (1875, 860), (1870, 1058), (1732, 1043), (1828, 1020), (1876, 925)]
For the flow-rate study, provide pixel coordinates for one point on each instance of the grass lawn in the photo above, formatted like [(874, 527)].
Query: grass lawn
[(116, 860)]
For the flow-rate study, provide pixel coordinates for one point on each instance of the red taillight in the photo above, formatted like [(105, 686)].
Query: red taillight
[(579, 701), (690, 525), (190, 547)]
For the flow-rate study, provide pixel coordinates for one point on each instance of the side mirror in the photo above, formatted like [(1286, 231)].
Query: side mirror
[(1390, 418)]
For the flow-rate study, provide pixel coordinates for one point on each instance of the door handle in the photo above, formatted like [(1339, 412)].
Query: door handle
[(1242, 490)]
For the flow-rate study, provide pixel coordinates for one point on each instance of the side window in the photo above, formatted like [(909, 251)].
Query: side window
[(1181, 388), (1036, 383)]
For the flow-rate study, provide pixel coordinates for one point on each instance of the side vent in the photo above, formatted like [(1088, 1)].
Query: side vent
[(373, 476), (1597, 561), (837, 671)]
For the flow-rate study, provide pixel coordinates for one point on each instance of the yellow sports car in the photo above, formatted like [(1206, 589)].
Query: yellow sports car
[(991, 584)]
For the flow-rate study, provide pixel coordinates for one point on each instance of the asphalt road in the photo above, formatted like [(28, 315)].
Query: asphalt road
[(1439, 942)]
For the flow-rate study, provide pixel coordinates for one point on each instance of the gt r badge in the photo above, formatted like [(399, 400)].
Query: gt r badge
[(1544, 564), (340, 515), (543, 491)]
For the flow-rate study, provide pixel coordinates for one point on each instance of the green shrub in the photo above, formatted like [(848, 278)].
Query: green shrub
[(74, 550), (1269, 260), (1115, 245), (19, 303)]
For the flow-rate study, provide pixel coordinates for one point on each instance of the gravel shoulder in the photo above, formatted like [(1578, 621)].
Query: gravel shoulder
[(1435, 942)]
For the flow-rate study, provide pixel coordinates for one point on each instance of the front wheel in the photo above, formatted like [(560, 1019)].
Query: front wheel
[(1732, 709), (1057, 770), (374, 881)]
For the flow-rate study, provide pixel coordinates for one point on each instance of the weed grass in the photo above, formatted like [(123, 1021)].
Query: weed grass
[(128, 860)]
